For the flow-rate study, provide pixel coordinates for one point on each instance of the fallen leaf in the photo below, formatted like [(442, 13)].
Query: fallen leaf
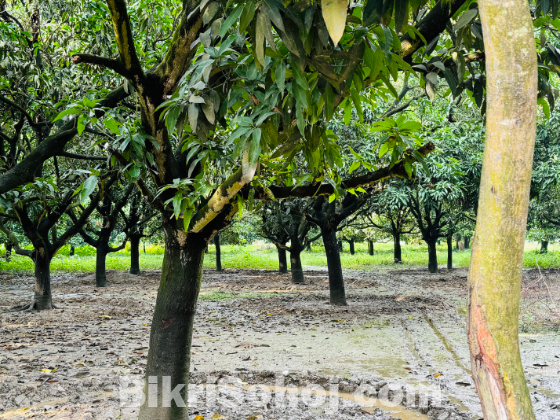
[(400, 298), (437, 375), (199, 418)]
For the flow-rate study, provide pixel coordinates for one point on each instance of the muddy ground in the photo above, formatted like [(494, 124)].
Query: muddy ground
[(402, 339)]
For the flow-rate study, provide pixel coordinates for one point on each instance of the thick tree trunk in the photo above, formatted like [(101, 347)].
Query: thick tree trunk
[(544, 247), (450, 252), (497, 255), (134, 254), (370, 247), (295, 266), (218, 252), (432, 257), (336, 280), (100, 262), (282, 261), (352, 249), (42, 290), (397, 251), (172, 326)]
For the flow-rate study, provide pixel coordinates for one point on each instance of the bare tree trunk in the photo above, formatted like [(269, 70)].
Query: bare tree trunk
[(134, 254), (336, 280), (42, 289), (397, 251), (352, 249), (450, 252), (544, 247), (295, 265), (432, 257), (282, 261), (218, 253), (371, 250), (497, 255), (172, 326), (100, 263)]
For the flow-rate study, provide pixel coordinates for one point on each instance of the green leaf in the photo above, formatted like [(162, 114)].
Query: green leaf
[(546, 109), (81, 124), (328, 95), (401, 14), (357, 103), (465, 18), (210, 12), (259, 39), (347, 112), (112, 125), (281, 75), (372, 11), (298, 76), (354, 166), (187, 216), (255, 146), (270, 8), (177, 199), (231, 19), (240, 204), (383, 149), (71, 111), (88, 187), (332, 197), (247, 15)]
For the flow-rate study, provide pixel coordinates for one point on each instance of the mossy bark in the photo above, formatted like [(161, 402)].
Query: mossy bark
[(42, 290), (336, 280), (497, 254), (135, 254), (295, 266), (172, 323)]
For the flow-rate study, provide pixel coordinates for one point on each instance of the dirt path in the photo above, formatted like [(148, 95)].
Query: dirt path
[(401, 338)]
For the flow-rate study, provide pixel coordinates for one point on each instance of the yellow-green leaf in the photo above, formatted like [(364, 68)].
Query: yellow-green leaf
[(334, 13)]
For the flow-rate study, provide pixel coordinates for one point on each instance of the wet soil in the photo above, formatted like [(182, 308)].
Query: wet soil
[(402, 337)]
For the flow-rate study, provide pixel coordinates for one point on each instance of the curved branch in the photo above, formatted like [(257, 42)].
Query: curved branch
[(81, 157), (116, 65)]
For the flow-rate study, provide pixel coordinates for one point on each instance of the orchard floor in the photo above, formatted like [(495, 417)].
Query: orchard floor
[(402, 337)]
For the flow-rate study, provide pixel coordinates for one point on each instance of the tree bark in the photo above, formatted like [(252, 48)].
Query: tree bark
[(100, 263), (218, 253), (42, 296), (295, 266), (72, 250), (282, 261), (340, 246), (450, 252), (397, 251), (467, 240), (432, 257), (352, 249), (336, 280), (134, 254), (497, 255), (371, 250), (544, 247), (172, 325), (9, 247)]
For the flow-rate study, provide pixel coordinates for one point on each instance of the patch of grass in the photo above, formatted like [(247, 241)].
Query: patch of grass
[(264, 256), (214, 294)]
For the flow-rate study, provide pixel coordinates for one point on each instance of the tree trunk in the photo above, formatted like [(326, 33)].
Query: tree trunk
[(450, 252), (134, 254), (467, 240), (340, 246), (9, 247), (72, 250), (336, 281), (295, 266), (458, 238), (100, 273), (397, 251), (282, 261), (172, 326), (432, 257), (352, 249), (218, 252), (544, 247), (308, 247), (497, 255), (370, 247), (43, 297)]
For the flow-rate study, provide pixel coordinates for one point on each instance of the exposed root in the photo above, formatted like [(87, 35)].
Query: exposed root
[(30, 308)]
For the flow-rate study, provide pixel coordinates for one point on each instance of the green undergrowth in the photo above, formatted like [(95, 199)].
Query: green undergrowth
[(264, 256)]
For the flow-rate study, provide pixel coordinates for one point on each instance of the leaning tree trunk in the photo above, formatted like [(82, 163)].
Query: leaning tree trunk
[(295, 265), (134, 254), (450, 252), (497, 255), (172, 324), (352, 248), (336, 281), (218, 253), (100, 264), (282, 261), (397, 251), (544, 247), (42, 290), (432, 257)]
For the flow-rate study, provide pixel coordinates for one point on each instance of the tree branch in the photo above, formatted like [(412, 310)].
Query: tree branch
[(116, 65), (81, 157)]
